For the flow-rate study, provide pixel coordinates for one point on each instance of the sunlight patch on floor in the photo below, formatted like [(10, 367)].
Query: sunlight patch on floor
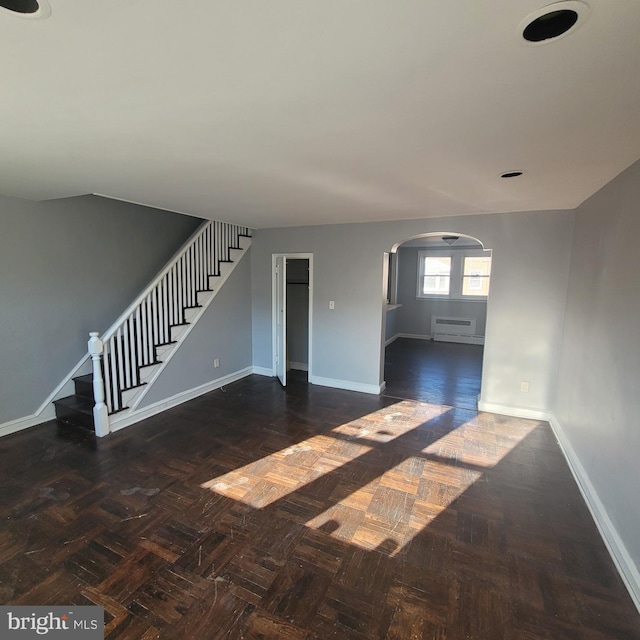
[(335, 478)]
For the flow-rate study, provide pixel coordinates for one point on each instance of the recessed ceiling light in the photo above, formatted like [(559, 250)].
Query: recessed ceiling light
[(511, 174), (550, 25), (553, 21), (26, 8)]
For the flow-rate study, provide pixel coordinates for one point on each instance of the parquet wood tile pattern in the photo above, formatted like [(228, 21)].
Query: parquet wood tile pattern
[(309, 513)]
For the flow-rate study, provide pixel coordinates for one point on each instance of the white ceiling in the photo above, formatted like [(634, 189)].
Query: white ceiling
[(298, 112)]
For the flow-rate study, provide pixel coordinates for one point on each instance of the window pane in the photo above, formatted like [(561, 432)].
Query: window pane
[(475, 279), (475, 286), (437, 275), (436, 285), (437, 266), (477, 266)]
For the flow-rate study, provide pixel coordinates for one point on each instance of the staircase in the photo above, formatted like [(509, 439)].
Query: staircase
[(130, 356)]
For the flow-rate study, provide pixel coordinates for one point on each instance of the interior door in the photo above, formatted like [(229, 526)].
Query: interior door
[(281, 319)]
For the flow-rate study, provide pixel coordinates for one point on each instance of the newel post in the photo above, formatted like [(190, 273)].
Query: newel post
[(100, 413)]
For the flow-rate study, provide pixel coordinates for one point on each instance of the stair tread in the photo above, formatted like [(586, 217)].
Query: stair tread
[(81, 404), (88, 378)]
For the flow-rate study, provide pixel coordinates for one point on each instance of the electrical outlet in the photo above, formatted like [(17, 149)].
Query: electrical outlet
[(216, 363), (524, 386)]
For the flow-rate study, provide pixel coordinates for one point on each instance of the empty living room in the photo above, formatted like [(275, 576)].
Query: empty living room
[(319, 320)]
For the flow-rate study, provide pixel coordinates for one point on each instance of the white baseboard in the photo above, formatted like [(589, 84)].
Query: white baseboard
[(616, 547), (299, 366), (414, 336), (392, 339), (179, 398), (514, 412), (263, 371), (13, 426), (375, 389)]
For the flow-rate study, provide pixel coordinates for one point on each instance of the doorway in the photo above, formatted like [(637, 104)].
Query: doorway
[(435, 319), (292, 300)]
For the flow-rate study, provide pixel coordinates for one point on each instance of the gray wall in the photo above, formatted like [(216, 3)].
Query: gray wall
[(524, 316), (69, 267), (598, 399), (223, 332), (415, 315)]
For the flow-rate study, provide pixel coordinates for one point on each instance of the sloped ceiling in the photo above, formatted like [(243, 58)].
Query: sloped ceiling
[(298, 112)]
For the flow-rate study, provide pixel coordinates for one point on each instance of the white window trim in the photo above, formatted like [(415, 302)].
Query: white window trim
[(421, 275), (455, 283)]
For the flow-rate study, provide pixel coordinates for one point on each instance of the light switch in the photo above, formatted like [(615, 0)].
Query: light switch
[(332, 304)]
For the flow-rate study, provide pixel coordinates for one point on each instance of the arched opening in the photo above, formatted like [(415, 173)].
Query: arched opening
[(436, 287)]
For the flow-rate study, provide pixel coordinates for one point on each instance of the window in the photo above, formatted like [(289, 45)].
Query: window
[(457, 275), (475, 275), (436, 275)]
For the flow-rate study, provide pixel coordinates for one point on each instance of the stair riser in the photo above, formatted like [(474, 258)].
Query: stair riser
[(83, 388), (146, 373), (191, 314), (75, 418), (179, 331), (129, 395)]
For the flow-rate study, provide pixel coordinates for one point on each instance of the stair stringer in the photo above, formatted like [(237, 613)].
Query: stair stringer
[(180, 333)]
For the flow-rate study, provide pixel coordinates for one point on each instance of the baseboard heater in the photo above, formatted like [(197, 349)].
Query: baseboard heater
[(447, 329)]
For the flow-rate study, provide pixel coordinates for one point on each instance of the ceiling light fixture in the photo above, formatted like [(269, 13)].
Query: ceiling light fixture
[(553, 21), (26, 8), (450, 239), (511, 174), (550, 25)]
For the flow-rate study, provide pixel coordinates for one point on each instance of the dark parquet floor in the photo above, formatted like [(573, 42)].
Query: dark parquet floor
[(439, 372), (309, 513)]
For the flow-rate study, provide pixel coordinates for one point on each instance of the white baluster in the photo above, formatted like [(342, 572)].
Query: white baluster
[(100, 414)]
